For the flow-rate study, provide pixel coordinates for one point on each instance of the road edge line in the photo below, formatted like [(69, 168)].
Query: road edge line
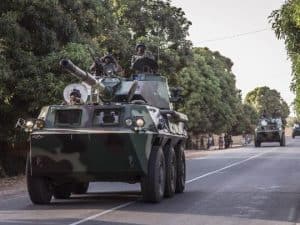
[(226, 167), (102, 213), (187, 182)]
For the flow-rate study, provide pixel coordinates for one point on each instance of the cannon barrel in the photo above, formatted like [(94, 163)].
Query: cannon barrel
[(77, 72)]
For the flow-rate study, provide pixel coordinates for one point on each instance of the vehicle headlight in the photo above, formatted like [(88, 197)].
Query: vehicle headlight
[(40, 124), (140, 122), (264, 123), (128, 122), (29, 124)]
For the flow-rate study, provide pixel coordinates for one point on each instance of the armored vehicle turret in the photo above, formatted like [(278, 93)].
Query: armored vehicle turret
[(269, 130), (108, 129)]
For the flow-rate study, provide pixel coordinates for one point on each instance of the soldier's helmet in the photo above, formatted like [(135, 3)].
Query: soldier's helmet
[(76, 93), (108, 59), (140, 45)]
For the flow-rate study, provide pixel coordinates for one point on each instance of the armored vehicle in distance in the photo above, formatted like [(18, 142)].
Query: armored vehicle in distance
[(269, 130), (114, 129), (296, 130)]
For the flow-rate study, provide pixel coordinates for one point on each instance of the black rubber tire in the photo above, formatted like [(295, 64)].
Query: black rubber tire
[(171, 171), (153, 185), (181, 170), (282, 141), (257, 144), (80, 188), (39, 188), (62, 192)]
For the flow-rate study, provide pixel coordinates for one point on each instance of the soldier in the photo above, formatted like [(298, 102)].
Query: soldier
[(110, 63), (264, 115), (230, 140), (149, 65), (226, 140), (140, 52), (221, 142), (209, 141), (75, 97), (106, 65)]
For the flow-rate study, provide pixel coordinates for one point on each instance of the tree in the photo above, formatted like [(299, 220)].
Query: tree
[(35, 35), (285, 22), (161, 26), (211, 97), (246, 120), (268, 101)]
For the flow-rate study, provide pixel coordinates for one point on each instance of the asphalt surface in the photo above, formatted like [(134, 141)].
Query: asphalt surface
[(239, 186)]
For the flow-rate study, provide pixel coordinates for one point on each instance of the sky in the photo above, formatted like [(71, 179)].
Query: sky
[(259, 58)]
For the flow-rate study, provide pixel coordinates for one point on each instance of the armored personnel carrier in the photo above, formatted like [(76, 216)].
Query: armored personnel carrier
[(296, 130), (109, 129), (269, 130)]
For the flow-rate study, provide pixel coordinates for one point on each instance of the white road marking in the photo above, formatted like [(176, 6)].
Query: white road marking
[(292, 214), (16, 197), (199, 158), (187, 182), (27, 222), (103, 213), (224, 168)]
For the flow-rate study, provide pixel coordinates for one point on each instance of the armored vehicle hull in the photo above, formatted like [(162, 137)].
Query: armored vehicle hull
[(84, 143), (269, 131), (296, 131), (88, 156), (109, 129)]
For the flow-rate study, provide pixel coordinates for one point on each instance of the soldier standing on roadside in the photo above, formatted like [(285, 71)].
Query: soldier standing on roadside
[(221, 142), (226, 140)]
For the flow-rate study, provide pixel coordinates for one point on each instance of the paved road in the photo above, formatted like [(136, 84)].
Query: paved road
[(238, 186)]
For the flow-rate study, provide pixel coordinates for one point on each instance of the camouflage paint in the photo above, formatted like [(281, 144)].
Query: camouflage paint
[(94, 150), (96, 154), (272, 132), (88, 152)]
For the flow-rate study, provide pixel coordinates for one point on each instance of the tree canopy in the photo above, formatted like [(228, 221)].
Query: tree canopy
[(35, 35), (212, 101), (286, 24), (267, 101)]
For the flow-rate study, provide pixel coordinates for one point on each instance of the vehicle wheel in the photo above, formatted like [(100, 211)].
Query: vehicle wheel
[(80, 188), (171, 171), (282, 141), (181, 170), (293, 136), (257, 144), (39, 188), (62, 192), (153, 185)]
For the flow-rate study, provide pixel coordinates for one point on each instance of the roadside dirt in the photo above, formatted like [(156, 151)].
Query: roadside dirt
[(201, 153), (12, 185)]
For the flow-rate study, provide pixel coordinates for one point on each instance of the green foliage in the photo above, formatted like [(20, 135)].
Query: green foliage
[(35, 35), (212, 100), (246, 120), (268, 101), (286, 24)]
